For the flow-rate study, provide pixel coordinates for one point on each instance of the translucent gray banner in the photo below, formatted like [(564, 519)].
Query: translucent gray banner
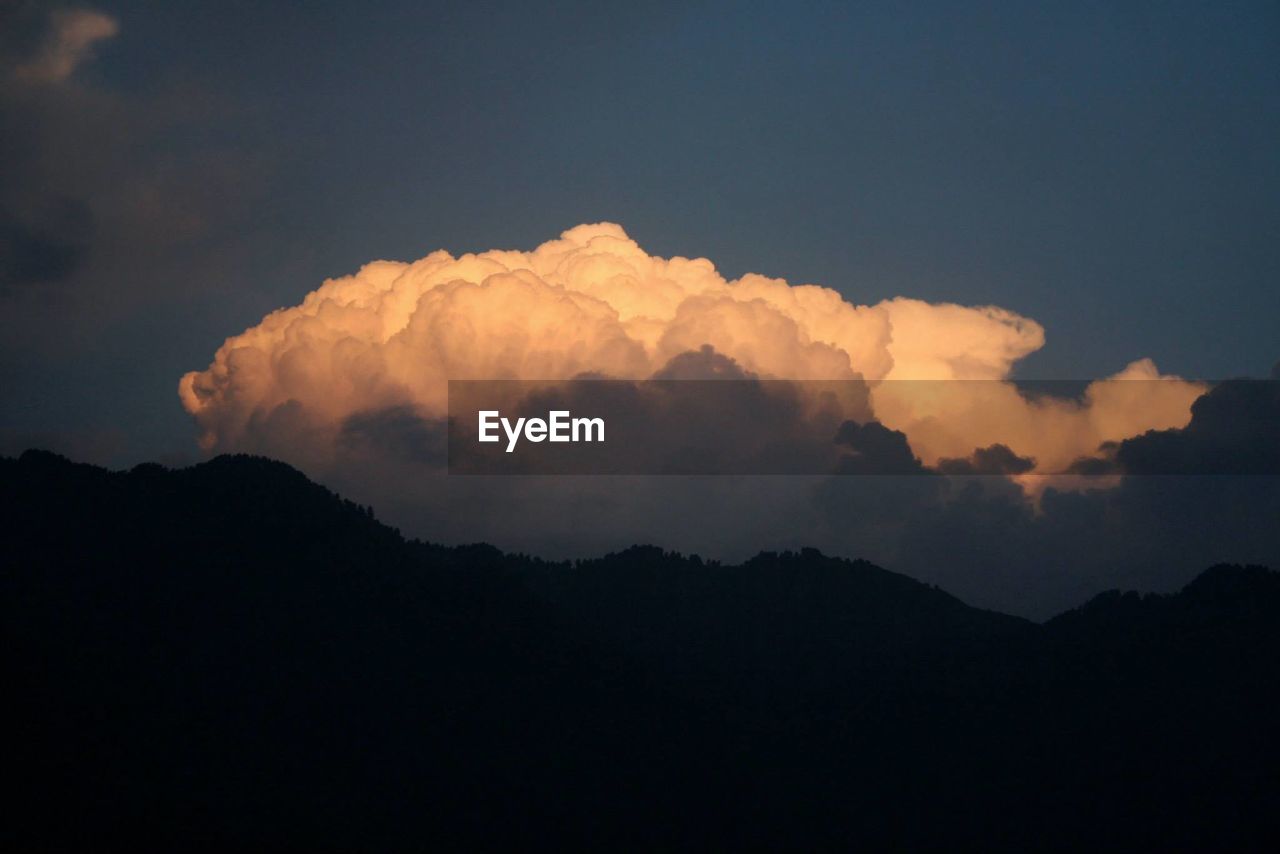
[(852, 427)]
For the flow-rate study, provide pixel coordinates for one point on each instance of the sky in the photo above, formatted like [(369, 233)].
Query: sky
[(1107, 169), (173, 172)]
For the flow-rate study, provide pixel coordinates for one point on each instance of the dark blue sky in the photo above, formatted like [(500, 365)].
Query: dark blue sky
[(1110, 170)]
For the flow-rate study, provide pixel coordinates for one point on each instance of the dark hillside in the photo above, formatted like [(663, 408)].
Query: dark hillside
[(230, 655)]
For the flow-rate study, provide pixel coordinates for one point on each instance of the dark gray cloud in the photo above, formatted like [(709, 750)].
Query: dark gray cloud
[(875, 449), (995, 459), (702, 364), (397, 431), (1234, 430), (44, 245)]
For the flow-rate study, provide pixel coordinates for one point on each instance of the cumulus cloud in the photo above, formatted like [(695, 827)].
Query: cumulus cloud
[(593, 302), (949, 420), (350, 384), (590, 302), (70, 42)]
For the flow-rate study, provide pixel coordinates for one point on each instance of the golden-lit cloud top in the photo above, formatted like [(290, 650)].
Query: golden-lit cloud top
[(593, 301)]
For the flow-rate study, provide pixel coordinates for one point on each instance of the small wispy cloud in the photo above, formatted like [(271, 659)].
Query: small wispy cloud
[(72, 36)]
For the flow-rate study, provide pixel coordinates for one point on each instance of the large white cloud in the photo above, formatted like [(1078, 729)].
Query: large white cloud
[(390, 336)]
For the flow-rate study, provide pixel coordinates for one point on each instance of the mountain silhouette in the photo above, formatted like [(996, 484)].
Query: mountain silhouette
[(230, 655)]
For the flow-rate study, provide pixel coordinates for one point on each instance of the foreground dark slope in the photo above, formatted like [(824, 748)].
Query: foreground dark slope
[(231, 654)]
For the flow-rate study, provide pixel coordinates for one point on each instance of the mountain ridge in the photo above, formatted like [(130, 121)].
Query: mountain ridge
[(1216, 576)]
